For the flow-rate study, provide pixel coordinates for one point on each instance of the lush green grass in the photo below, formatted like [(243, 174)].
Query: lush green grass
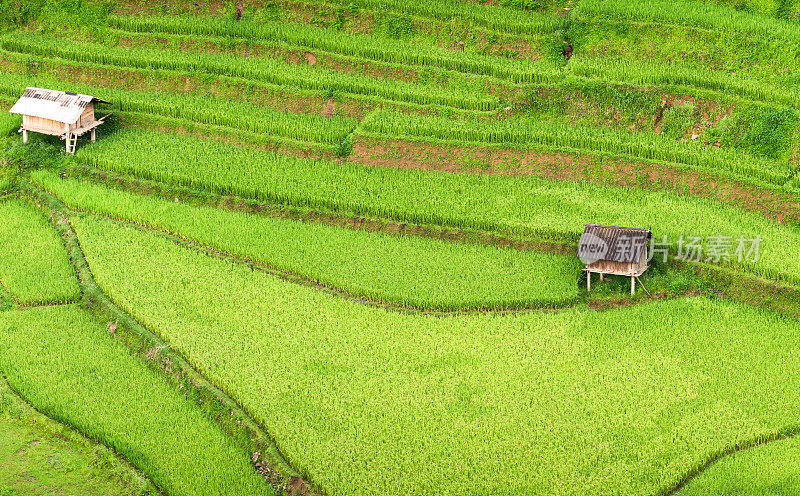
[(9, 123), (769, 470), (759, 6), (489, 16), (376, 402), (71, 369), (253, 68), (525, 205), (526, 132), (39, 456), (34, 266), (434, 78), (331, 40), (659, 43), (706, 15), (421, 272), (659, 73)]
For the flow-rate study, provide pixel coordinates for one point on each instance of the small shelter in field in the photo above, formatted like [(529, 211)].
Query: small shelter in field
[(58, 113), (620, 251)]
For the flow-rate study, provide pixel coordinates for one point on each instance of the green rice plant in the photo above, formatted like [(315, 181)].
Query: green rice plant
[(206, 109), (772, 469), (663, 73), (493, 17), (34, 266), (436, 79), (257, 68), (221, 87), (521, 132), (768, 7), (30, 442), (577, 402), (771, 132), (71, 369), (689, 13), (9, 123), (412, 271), (329, 40), (790, 9), (521, 206), (677, 121)]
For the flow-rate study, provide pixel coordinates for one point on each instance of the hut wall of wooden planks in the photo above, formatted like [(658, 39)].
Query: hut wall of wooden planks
[(58, 113), (614, 250)]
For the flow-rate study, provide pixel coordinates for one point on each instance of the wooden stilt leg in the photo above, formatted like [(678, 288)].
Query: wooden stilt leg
[(66, 140), (588, 281), (633, 285), (94, 136), (24, 135), (601, 277)]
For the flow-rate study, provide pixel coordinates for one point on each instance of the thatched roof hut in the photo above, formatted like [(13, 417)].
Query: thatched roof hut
[(614, 250)]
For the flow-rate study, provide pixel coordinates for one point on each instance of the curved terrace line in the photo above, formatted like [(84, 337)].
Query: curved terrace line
[(667, 491), (296, 278), (731, 450), (444, 232), (4, 380), (5, 291), (565, 163), (267, 457), (204, 198)]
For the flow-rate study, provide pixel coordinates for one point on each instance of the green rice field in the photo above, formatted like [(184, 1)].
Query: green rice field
[(331, 248)]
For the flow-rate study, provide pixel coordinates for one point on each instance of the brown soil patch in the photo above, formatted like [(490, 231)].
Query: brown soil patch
[(605, 304), (780, 206), (311, 59), (297, 487), (330, 108)]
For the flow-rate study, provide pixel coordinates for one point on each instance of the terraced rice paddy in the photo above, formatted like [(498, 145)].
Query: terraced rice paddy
[(328, 248)]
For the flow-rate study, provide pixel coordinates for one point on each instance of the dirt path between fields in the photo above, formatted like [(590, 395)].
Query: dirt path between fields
[(251, 437), (297, 483), (5, 292)]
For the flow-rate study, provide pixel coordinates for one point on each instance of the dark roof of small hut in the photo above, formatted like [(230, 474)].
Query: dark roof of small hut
[(59, 106), (613, 243)]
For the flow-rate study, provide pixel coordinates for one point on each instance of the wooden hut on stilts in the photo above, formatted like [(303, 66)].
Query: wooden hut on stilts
[(612, 250), (58, 113)]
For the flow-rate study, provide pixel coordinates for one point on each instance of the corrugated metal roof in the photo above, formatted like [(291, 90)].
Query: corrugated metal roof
[(612, 243), (59, 106)]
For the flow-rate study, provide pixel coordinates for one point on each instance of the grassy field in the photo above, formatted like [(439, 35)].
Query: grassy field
[(769, 470), (39, 456), (526, 205), (34, 267), (71, 369), (292, 194), (375, 384), (416, 271)]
